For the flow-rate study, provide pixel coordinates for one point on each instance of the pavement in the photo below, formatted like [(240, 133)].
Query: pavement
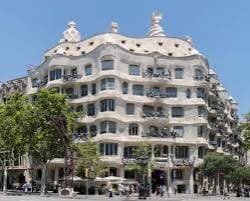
[(53, 197)]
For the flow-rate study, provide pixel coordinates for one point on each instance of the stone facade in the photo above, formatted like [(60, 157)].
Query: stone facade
[(156, 89)]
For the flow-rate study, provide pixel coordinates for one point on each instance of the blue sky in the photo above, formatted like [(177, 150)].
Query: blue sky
[(220, 30)]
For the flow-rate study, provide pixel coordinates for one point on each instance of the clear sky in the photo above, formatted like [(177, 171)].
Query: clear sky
[(220, 30)]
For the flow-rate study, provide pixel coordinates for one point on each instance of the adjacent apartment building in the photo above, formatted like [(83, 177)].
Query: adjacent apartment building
[(156, 89)]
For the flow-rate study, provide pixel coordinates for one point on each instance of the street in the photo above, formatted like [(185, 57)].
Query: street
[(180, 197)]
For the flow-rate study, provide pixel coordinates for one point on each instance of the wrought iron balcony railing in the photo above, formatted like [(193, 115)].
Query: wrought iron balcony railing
[(163, 133), (71, 77), (155, 114), (182, 162), (160, 74)]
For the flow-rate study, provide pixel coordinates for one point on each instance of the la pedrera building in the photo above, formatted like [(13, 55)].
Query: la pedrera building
[(155, 89)]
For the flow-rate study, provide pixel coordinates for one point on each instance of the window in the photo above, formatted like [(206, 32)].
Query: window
[(188, 93), (108, 149), (134, 70), (107, 64), (201, 111), (181, 152), (161, 151), (148, 109), (138, 90), (179, 130), (125, 88), (80, 109), (133, 129), (129, 152), (201, 152), (130, 108), (108, 127), (93, 89), (74, 71), (201, 93), (171, 92), (177, 174), (70, 92), (82, 130), (129, 174), (177, 112), (159, 71), (88, 70), (201, 131), (35, 82), (198, 74), (107, 105), (55, 74), (178, 73), (92, 131), (107, 83), (84, 90), (91, 109)]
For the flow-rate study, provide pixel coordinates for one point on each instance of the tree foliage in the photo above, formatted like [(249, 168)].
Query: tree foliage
[(245, 127), (89, 158), (16, 122)]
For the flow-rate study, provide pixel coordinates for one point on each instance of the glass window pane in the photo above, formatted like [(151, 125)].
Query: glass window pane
[(130, 108), (88, 70), (178, 73), (138, 90), (107, 64), (134, 70)]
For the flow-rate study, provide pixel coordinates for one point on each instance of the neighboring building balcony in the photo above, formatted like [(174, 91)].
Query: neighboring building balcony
[(71, 77), (162, 133), (159, 74)]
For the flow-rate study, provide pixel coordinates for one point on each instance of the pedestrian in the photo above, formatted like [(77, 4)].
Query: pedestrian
[(162, 190), (175, 189), (225, 193)]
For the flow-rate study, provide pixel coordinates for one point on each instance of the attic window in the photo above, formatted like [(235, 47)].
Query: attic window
[(176, 45), (160, 43), (83, 52), (55, 51), (138, 45), (170, 54), (132, 50), (146, 51), (91, 43), (123, 41), (78, 48), (189, 49), (67, 48)]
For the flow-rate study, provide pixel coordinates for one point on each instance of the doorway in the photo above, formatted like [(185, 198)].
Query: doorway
[(158, 179)]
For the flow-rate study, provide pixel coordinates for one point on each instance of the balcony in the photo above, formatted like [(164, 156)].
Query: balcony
[(201, 78), (212, 142), (155, 93), (80, 136), (213, 92), (162, 133), (182, 162), (128, 161), (157, 74), (71, 77), (73, 96), (154, 114)]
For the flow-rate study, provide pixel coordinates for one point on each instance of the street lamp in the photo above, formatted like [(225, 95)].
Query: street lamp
[(142, 160)]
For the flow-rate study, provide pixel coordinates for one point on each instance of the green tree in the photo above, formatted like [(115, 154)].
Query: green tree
[(54, 122), (15, 124), (89, 158), (245, 126), (215, 165)]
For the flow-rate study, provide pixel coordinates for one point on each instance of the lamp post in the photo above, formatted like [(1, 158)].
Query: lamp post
[(142, 160)]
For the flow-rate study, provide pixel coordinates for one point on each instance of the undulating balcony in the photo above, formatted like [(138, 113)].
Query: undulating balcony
[(71, 77), (129, 160), (83, 136), (182, 162), (162, 133), (155, 114), (201, 78), (73, 96), (157, 74)]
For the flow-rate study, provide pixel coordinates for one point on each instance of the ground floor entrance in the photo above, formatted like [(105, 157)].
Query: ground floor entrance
[(158, 178)]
